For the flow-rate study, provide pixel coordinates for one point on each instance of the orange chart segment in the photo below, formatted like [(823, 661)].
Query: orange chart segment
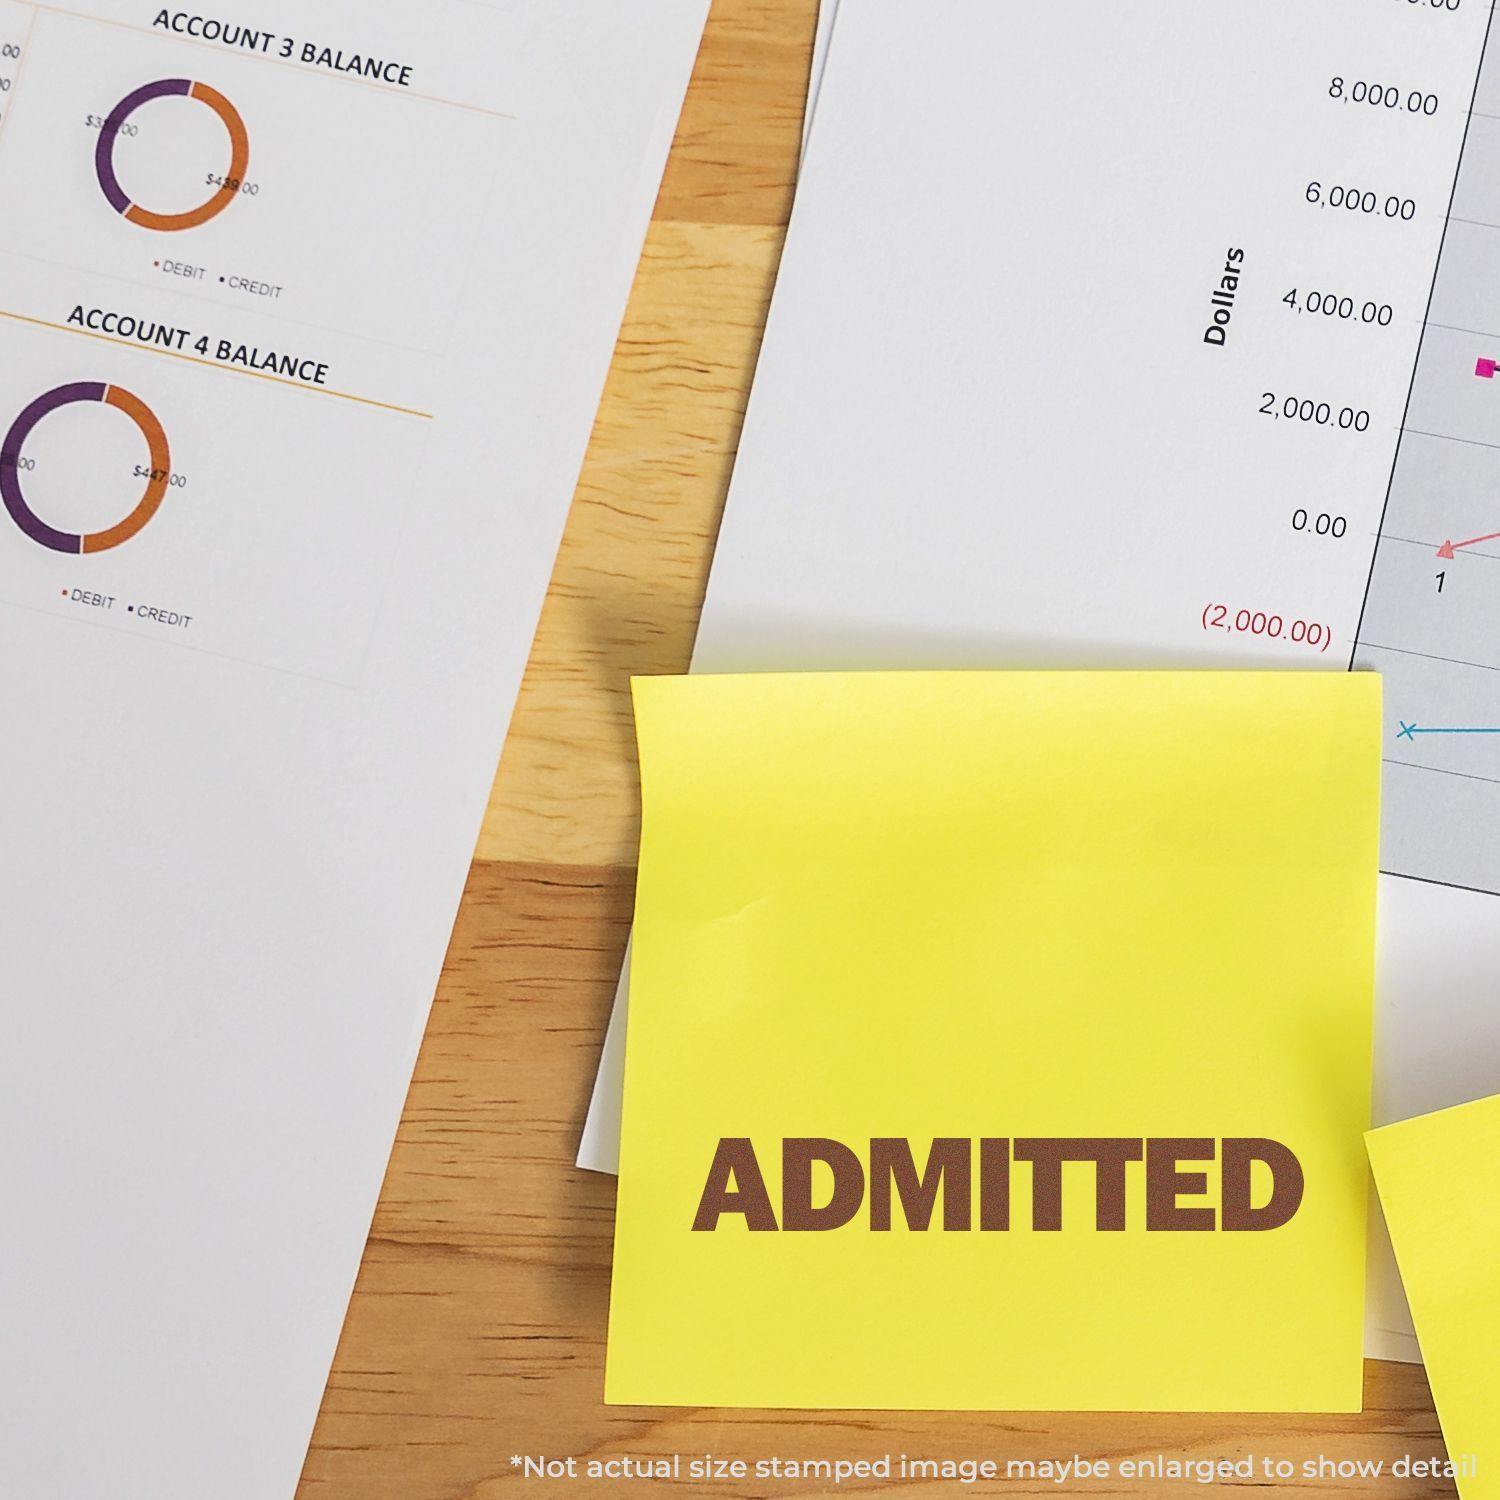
[(233, 180), (156, 486)]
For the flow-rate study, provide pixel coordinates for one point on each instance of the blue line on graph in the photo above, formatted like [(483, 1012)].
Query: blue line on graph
[(1411, 731)]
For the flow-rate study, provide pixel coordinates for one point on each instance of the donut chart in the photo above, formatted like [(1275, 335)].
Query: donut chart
[(77, 543), (167, 88)]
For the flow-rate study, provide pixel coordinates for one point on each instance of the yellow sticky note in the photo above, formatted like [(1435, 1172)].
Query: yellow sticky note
[(999, 1041), (1441, 1197)]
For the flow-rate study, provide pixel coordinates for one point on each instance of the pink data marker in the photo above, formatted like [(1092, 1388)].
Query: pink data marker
[(1485, 369)]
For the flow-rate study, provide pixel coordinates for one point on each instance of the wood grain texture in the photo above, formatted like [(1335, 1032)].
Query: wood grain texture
[(477, 1328), (633, 565)]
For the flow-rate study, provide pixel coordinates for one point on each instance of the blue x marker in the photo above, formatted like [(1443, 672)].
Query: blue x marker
[(1411, 731)]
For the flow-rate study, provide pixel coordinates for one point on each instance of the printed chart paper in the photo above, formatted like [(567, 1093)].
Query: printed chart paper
[(827, 15), (959, 913), (1099, 354), (1439, 1192), (305, 309)]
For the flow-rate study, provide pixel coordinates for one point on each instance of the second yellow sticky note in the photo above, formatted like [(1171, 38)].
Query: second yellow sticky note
[(1441, 1196)]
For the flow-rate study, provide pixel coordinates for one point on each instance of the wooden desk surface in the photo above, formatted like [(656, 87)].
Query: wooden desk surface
[(477, 1328)]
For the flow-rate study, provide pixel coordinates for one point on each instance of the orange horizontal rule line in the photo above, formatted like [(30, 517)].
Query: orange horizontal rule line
[(213, 364)]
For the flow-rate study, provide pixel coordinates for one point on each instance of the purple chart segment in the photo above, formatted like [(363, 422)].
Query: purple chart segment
[(104, 151), (10, 465)]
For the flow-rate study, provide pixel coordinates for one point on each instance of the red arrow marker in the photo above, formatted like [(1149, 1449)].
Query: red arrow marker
[(1447, 550)]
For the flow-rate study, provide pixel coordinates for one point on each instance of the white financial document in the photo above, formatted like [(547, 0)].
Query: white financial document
[(305, 309), (1103, 338), (827, 13)]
